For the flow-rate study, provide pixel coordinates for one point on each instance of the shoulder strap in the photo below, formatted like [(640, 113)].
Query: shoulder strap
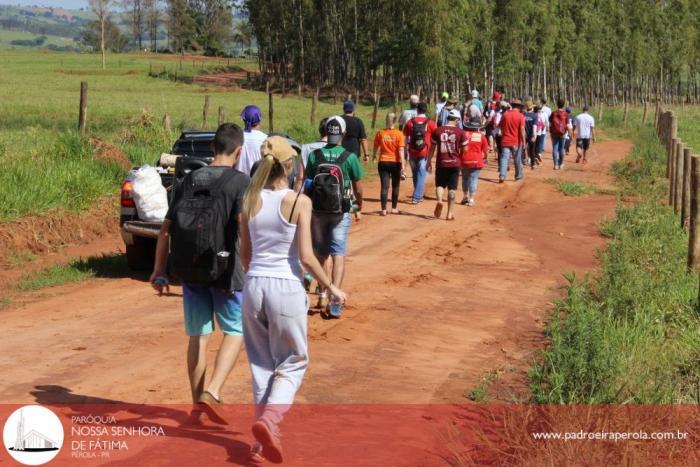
[(223, 180), (343, 157), (320, 157), (291, 213)]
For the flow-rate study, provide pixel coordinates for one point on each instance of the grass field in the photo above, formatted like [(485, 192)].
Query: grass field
[(6, 37), (47, 165), (629, 333)]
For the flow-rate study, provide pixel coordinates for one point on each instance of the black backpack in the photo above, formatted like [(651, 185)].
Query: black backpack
[(198, 249), (418, 135), (327, 192)]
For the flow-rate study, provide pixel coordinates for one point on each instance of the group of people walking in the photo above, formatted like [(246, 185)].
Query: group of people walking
[(247, 234)]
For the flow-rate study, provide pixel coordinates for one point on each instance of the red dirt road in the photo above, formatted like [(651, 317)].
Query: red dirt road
[(433, 306)]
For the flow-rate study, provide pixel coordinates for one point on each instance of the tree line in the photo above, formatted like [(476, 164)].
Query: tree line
[(600, 50)]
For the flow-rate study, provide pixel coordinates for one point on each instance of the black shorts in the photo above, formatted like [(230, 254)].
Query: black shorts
[(583, 143), (447, 177)]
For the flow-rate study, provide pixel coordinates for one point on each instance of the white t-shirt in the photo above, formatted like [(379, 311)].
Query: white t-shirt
[(250, 153), (308, 148), (584, 123), (547, 112)]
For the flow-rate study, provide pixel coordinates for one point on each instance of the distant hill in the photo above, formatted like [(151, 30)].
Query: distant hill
[(32, 27)]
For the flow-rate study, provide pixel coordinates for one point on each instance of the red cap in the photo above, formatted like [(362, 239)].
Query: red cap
[(496, 96)]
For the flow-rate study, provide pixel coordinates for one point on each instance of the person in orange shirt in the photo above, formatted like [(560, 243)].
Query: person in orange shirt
[(389, 143)]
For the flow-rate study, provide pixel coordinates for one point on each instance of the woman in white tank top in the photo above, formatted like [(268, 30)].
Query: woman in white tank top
[(275, 244)]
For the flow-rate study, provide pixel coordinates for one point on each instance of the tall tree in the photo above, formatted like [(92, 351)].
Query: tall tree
[(135, 10), (152, 17), (101, 9)]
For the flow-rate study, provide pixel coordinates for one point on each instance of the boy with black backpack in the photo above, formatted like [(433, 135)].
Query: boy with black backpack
[(335, 188), (199, 237)]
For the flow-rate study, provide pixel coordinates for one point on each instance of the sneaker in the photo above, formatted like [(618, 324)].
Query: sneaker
[(269, 438), (471, 202), (465, 199), (561, 167), (212, 407), (556, 167), (501, 179), (578, 159), (403, 175), (438, 210)]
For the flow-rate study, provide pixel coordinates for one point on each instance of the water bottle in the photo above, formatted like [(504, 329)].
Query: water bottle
[(335, 307)]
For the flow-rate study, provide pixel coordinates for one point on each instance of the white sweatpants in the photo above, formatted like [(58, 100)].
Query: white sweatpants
[(275, 334)]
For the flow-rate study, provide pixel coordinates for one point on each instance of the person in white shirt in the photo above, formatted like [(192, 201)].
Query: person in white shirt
[(408, 114), (546, 112), (585, 133), (253, 138)]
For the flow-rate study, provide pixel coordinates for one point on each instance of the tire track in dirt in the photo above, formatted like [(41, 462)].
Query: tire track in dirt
[(434, 305)]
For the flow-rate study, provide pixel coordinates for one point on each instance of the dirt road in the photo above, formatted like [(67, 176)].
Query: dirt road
[(434, 305)]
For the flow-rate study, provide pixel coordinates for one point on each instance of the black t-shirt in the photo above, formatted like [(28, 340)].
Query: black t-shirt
[(354, 132), (233, 194)]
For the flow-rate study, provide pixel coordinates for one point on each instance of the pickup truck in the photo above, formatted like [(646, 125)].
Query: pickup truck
[(194, 149)]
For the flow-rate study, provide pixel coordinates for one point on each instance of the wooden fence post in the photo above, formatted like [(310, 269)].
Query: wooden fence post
[(396, 103), (657, 113), (82, 115), (205, 112), (678, 179), (685, 204), (644, 115), (222, 115), (314, 104), (693, 234), (672, 133), (626, 111), (672, 171), (270, 112), (166, 122), (600, 112)]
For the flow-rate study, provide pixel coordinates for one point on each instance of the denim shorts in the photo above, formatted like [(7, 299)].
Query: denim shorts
[(329, 233), (203, 303)]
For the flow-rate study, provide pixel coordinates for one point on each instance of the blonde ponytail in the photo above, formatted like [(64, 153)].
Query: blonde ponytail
[(251, 199)]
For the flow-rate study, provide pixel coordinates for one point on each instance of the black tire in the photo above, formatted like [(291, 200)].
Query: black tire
[(141, 255)]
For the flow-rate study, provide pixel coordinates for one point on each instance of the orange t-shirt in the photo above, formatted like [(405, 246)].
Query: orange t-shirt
[(389, 141)]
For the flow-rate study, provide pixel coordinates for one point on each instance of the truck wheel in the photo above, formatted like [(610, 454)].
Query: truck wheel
[(141, 255)]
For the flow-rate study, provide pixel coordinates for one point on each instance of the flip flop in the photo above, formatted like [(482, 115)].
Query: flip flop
[(438, 210), (209, 404)]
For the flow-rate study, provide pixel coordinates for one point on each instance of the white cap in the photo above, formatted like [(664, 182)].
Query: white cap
[(454, 114), (335, 129), (475, 93), (414, 99)]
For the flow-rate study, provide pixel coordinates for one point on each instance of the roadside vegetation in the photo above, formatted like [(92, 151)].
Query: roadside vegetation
[(47, 165), (630, 332), (74, 271)]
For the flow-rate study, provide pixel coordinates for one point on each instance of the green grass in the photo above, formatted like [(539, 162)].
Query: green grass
[(631, 332), (568, 188), (481, 392), (21, 257), (47, 165), (5, 302), (6, 37), (75, 271)]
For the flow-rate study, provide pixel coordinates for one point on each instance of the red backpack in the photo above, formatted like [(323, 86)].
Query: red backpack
[(559, 121)]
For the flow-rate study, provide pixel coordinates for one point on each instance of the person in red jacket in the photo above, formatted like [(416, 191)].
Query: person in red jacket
[(473, 159)]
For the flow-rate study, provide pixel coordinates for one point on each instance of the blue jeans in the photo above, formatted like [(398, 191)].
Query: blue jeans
[(419, 175), (470, 177), (504, 160), (558, 150), (540, 143)]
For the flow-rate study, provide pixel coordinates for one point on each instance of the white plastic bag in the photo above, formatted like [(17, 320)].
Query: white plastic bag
[(150, 195)]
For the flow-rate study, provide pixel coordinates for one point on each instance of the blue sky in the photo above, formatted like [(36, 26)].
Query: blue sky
[(68, 4)]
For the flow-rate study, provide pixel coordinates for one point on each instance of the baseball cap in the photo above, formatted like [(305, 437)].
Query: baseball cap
[(475, 93), (414, 99), (454, 115), (348, 106), (445, 95), (496, 96), (568, 110), (335, 128), (277, 147)]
